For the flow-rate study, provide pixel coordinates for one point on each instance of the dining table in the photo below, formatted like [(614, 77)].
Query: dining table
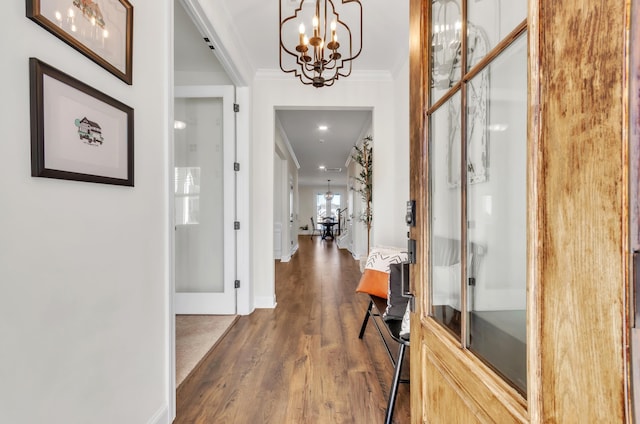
[(327, 229)]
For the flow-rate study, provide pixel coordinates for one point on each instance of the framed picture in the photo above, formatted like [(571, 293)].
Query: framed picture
[(77, 132), (102, 30)]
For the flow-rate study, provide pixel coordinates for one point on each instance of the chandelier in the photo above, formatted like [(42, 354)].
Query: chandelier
[(329, 194), (319, 59)]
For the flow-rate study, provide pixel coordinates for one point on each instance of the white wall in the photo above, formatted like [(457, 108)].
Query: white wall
[(278, 222), (83, 266), (357, 228), (288, 176), (270, 93), (397, 172)]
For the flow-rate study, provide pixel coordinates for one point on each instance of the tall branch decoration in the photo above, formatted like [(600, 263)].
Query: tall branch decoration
[(363, 157)]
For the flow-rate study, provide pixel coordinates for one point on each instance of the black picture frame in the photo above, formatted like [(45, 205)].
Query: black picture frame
[(77, 132)]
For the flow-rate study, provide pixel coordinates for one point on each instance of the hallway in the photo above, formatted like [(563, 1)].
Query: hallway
[(301, 362)]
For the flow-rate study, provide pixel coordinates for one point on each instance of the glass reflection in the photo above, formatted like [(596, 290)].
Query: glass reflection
[(496, 214), (490, 21), (446, 36), (445, 214)]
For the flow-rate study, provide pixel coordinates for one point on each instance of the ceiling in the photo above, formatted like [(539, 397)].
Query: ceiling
[(385, 48), (329, 148), (385, 29)]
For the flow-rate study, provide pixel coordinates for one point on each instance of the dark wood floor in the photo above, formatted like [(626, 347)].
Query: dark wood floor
[(301, 362)]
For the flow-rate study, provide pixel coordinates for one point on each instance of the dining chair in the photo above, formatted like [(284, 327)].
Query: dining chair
[(314, 228)]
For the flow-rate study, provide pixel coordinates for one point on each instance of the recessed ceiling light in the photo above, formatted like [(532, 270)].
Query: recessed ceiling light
[(322, 127), (179, 125), (321, 167), (321, 140)]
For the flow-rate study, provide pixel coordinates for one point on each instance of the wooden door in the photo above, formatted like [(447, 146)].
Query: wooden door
[(577, 245)]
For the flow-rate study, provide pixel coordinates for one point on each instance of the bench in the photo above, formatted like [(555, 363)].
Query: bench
[(391, 328)]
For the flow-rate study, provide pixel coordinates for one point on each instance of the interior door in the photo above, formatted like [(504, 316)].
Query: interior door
[(205, 245)]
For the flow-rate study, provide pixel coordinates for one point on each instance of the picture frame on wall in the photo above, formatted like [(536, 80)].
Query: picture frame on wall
[(77, 132), (102, 30)]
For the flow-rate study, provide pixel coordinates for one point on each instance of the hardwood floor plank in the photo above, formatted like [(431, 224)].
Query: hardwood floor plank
[(301, 362)]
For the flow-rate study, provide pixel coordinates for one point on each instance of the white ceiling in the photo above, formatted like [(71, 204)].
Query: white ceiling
[(256, 23), (385, 29), (331, 148)]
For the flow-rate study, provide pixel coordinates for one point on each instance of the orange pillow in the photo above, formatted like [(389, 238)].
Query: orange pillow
[(374, 282)]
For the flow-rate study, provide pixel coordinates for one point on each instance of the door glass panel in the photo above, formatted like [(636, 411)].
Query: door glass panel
[(446, 33), (199, 200), (445, 214), (489, 22), (496, 213)]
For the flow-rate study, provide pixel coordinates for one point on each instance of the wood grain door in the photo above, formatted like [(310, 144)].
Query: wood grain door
[(577, 241)]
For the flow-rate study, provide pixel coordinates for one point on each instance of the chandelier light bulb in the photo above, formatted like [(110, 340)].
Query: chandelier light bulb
[(315, 22), (333, 25)]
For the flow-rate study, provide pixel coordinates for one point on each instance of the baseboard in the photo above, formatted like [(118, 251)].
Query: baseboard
[(265, 302), (161, 416), (287, 258)]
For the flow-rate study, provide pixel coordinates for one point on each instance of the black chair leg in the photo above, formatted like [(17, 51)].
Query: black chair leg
[(394, 386), (366, 319)]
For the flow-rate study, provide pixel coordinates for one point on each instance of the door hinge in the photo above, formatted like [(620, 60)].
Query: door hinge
[(236, 107), (236, 225), (236, 284), (236, 166)]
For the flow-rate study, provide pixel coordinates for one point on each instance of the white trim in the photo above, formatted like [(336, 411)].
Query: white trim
[(265, 302), (161, 416), (285, 139), (222, 49), (244, 294), (170, 319), (201, 304)]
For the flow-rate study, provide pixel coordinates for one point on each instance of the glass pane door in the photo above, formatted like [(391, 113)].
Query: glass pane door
[(204, 205)]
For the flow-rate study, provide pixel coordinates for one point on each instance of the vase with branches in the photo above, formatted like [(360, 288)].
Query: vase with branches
[(363, 156)]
